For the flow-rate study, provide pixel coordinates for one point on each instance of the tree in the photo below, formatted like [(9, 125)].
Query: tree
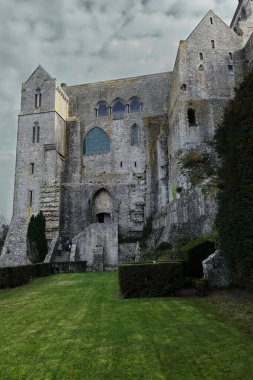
[(234, 144), (36, 238)]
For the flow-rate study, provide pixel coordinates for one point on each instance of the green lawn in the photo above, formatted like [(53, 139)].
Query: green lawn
[(76, 326)]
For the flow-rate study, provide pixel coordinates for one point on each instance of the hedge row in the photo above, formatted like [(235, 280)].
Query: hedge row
[(20, 275), (150, 280), (15, 276)]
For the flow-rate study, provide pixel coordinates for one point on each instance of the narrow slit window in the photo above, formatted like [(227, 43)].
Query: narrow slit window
[(36, 100), (32, 167), (40, 99), (30, 198), (34, 132), (211, 20), (135, 135), (38, 134), (135, 164), (231, 56), (213, 44), (201, 56), (121, 164)]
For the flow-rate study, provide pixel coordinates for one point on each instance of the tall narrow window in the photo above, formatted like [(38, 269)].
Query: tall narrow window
[(40, 98), (213, 44), (38, 134), (102, 109), (32, 167), (211, 20), (191, 113), (118, 110), (36, 100), (201, 56), (135, 135), (135, 106), (34, 133), (230, 56), (30, 198)]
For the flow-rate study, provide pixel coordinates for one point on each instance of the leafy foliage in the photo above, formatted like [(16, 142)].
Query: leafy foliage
[(234, 144), (36, 236)]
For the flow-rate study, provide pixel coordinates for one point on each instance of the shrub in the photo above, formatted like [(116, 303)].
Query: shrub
[(150, 280), (36, 236)]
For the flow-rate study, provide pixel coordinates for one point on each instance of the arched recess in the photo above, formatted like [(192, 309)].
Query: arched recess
[(102, 109), (102, 206), (96, 142), (135, 105), (135, 135), (118, 110)]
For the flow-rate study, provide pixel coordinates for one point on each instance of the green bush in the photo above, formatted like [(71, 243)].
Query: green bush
[(150, 280)]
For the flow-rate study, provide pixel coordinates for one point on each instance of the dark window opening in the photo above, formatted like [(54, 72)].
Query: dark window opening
[(191, 113), (230, 67), (118, 110), (40, 98), (103, 218), (32, 167), (36, 100), (96, 142), (211, 20), (121, 164), (183, 87), (38, 134), (213, 44), (230, 56), (135, 135), (34, 132), (244, 14), (135, 164), (135, 106), (102, 110), (201, 67), (201, 56), (30, 198)]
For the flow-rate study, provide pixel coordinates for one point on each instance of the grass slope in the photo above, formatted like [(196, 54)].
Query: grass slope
[(76, 327)]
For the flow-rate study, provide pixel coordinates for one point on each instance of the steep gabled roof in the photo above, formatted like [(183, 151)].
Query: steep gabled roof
[(209, 14), (37, 70)]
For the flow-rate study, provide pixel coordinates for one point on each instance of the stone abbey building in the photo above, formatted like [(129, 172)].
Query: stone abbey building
[(98, 159)]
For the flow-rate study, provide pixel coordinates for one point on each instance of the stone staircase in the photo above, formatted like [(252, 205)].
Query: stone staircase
[(50, 194)]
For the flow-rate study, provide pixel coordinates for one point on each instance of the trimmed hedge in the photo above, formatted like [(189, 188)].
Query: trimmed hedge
[(20, 275), (15, 276), (150, 280)]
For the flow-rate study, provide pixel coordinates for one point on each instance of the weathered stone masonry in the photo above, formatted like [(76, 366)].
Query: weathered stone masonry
[(99, 158)]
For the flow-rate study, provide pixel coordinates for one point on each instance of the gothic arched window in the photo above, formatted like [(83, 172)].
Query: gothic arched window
[(96, 142), (102, 109), (118, 110), (135, 106), (135, 135)]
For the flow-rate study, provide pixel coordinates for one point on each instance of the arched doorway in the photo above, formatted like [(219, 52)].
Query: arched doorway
[(102, 207)]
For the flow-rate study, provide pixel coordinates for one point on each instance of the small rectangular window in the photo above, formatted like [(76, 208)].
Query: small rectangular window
[(211, 20), (40, 99), (135, 164), (213, 44), (38, 134), (201, 56), (36, 101), (32, 167), (30, 198), (230, 67), (121, 164), (34, 131)]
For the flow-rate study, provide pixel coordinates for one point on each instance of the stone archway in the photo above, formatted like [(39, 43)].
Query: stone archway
[(102, 207)]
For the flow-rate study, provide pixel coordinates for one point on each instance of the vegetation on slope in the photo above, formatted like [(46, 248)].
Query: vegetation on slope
[(234, 143)]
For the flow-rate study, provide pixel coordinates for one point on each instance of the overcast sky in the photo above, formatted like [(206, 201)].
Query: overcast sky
[(82, 41)]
